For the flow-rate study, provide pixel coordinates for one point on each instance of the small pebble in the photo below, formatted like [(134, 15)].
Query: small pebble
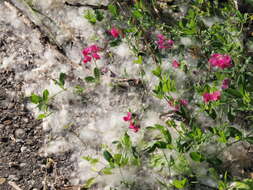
[(23, 165), (26, 120), (19, 133), (11, 105), (23, 148), (13, 178), (7, 122), (2, 180)]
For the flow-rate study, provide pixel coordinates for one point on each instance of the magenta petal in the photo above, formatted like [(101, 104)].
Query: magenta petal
[(184, 102), (206, 97), (114, 32), (221, 61), (225, 83), (160, 37), (94, 48), (87, 59), (95, 56), (215, 95), (175, 64), (128, 117), (86, 51)]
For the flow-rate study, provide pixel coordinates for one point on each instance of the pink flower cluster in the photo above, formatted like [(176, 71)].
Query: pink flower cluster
[(211, 96), (91, 52), (225, 84), (221, 61), (164, 43), (132, 125), (175, 106), (114, 32), (175, 64)]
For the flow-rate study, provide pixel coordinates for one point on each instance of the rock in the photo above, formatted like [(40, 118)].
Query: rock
[(23, 165), (1, 127), (13, 164), (2, 180), (26, 120), (13, 178), (20, 133), (31, 182), (11, 105), (7, 122), (23, 148)]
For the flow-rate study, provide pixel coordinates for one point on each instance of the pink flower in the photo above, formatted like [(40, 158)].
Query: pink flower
[(135, 128), (91, 52), (131, 122), (225, 84), (221, 61), (114, 32), (170, 42), (216, 95), (207, 97), (184, 102), (94, 48), (128, 117), (95, 56), (86, 51), (87, 59), (160, 37), (163, 43), (211, 96), (173, 106), (175, 64)]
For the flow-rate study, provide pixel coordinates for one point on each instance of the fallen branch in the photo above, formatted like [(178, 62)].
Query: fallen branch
[(104, 7), (14, 185)]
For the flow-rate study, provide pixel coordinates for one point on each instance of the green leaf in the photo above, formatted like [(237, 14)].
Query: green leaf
[(91, 17), (107, 155), (45, 95), (97, 73), (157, 72), (233, 92), (113, 10), (126, 141), (167, 136), (90, 159), (42, 106), (222, 185), (35, 98), (41, 116), (139, 60), (115, 42), (233, 132), (246, 184), (161, 144), (196, 156), (159, 127), (120, 160), (166, 86), (180, 184), (79, 89), (249, 139), (214, 161), (137, 14), (99, 15), (106, 171), (62, 78), (90, 79), (89, 182)]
